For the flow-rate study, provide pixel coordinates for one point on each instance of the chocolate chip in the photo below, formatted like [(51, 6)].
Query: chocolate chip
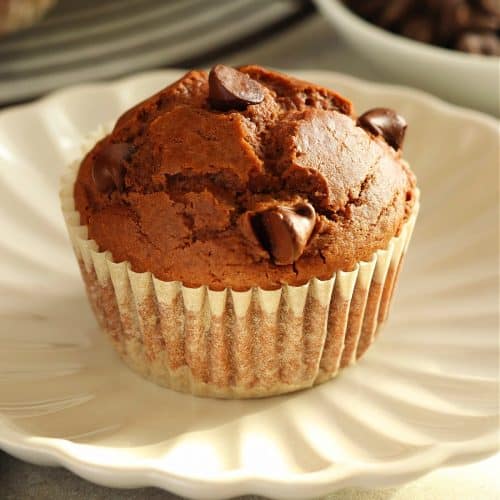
[(480, 21), (479, 43), (384, 122), (394, 12), (453, 17), (108, 172), (232, 89), (490, 6), (419, 28), (284, 231), (367, 9)]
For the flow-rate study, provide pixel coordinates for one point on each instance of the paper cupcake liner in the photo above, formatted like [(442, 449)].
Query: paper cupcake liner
[(233, 344)]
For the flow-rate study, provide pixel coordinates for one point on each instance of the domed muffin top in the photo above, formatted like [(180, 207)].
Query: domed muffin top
[(242, 178)]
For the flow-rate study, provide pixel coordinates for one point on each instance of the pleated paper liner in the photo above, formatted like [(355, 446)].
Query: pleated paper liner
[(231, 344)]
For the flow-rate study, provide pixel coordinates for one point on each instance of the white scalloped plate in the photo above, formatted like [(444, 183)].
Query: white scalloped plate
[(425, 395)]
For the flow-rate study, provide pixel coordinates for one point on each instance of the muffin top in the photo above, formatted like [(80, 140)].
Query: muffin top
[(242, 178)]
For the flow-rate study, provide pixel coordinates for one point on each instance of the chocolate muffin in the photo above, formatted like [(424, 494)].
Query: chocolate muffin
[(240, 232)]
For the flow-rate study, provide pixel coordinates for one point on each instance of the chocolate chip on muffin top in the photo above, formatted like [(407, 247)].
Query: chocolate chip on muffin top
[(247, 177)]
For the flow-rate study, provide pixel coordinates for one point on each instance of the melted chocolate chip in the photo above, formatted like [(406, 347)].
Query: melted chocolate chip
[(108, 172), (284, 231), (386, 123), (232, 89)]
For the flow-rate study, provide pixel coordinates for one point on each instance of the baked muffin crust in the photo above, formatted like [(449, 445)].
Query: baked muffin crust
[(186, 190)]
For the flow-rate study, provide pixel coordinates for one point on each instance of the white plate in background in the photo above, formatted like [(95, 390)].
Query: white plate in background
[(82, 40), (426, 394)]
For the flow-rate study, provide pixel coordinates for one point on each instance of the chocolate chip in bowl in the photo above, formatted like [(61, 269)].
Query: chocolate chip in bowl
[(447, 47), (466, 25)]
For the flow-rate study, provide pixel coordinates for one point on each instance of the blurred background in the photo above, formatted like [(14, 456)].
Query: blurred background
[(48, 44)]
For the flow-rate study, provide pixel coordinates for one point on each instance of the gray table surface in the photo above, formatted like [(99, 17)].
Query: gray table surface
[(311, 45)]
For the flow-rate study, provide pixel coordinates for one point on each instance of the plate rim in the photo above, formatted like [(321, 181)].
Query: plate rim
[(55, 451)]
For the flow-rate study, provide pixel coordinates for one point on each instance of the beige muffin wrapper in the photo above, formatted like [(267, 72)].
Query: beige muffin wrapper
[(233, 344)]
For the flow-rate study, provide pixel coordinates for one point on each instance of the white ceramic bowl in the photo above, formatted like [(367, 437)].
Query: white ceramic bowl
[(469, 80)]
